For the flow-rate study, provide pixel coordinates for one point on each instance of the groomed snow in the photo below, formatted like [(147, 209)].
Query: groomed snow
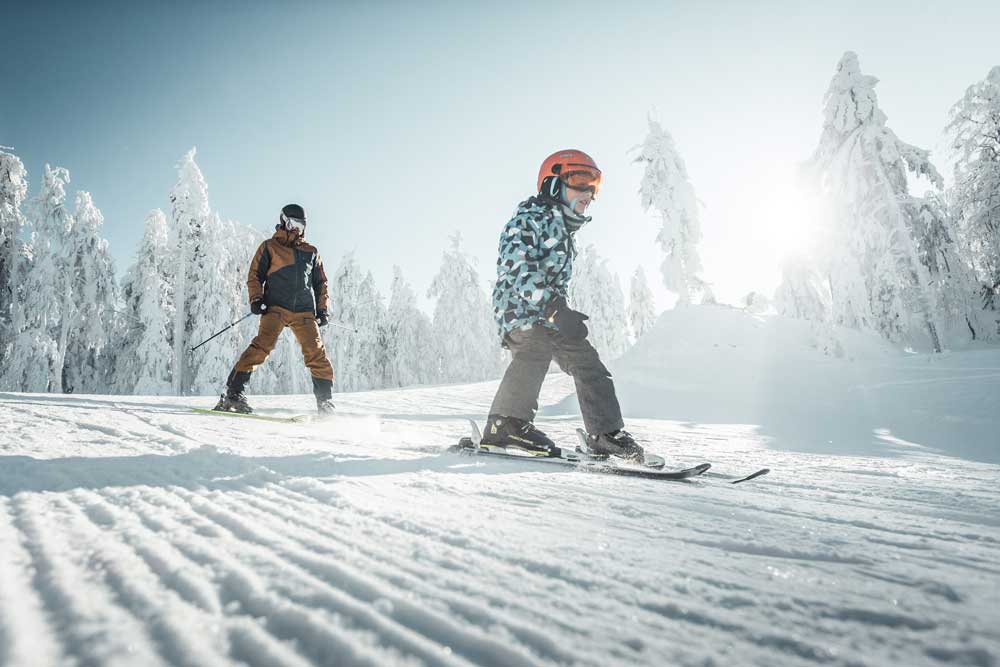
[(136, 532)]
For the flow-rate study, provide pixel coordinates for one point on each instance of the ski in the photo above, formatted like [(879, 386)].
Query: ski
[(296, 419), (753, 475), (575, 459), (581, 458)]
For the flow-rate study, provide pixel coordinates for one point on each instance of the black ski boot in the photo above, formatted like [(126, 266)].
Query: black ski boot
[(234, 400), (619, 443), (323, 390), (513, 432)]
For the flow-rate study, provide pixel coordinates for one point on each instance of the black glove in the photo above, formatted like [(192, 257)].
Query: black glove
[(321, 318), (257, 307), (569, 322)]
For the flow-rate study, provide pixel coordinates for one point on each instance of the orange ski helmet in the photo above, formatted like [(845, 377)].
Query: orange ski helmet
[(570, 161)]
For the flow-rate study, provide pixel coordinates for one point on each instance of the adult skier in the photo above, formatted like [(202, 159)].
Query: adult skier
[(287, 287), (537, 325)]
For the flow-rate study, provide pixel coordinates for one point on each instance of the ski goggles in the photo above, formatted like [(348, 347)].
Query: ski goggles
[(582, 181), (294, 224)]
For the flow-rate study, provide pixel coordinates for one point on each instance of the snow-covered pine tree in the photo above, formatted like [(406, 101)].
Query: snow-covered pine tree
[(952, 278), (876, 278), (44, 313), (372, 333), (803, 294), (464, 329), (596, 291), (410, 337), (218, 300), (189, 213), (340, 341), (145, 355), (667, 188), (641, 307), (95, 295), (356, 338), (974, 131), (13, 190)]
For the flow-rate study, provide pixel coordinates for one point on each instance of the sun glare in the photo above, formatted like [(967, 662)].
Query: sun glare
[(786, 216)]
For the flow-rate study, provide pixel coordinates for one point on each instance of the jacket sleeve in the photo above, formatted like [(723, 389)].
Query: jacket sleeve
[(257, 275), (319, 285)]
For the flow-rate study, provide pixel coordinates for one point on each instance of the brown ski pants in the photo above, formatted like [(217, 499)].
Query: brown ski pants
[(303, 325)]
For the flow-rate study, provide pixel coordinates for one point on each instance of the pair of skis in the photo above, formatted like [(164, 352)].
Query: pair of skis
[(581, 459)]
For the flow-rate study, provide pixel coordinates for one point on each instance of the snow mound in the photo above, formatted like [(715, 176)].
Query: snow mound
[(721, 365)]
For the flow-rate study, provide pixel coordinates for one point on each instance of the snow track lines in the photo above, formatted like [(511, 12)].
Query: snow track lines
[(191, 541)]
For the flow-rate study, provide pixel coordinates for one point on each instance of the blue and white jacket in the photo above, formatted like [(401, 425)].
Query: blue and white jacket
[(535, 264)]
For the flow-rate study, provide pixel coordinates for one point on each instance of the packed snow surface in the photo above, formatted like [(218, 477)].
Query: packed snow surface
[(134, 531)]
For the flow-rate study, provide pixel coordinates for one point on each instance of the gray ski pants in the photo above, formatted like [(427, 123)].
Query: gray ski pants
[(533, 350)]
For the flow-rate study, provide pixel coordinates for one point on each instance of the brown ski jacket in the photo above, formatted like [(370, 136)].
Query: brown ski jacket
[(287, 272)]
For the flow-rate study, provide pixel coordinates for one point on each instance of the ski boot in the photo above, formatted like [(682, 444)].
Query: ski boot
[(323, 390), (230, 402), (620, 443), (234, 400), (513, 432)]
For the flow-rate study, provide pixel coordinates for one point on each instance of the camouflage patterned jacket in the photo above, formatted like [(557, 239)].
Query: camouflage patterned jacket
[(534, 267)]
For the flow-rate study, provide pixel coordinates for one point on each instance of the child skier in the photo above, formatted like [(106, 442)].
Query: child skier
[(536, 324), (287, 287)]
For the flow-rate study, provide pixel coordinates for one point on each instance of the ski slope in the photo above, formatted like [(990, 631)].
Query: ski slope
[(136, 532)]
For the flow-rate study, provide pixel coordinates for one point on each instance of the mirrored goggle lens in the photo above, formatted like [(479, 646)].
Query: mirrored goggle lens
[(583, 181)]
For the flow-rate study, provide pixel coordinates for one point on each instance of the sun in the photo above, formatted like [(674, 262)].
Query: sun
[(786, 216)]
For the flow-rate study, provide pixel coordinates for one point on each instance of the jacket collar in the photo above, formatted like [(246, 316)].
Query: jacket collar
[(285, 237)]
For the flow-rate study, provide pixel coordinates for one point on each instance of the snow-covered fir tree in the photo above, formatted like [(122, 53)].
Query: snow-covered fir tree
[(952, 278), (464, 328), (13, 190), (974, 130), (877, 281), (145, 355), (410, 335), (641, 306), (218, 300), (803, 293), (356, 337), (45, 311), (667, 189), (189, 213), (95, 295), (596, 291)]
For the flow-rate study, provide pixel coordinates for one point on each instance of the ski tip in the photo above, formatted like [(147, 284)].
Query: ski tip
[(477, 435), (759, 473)]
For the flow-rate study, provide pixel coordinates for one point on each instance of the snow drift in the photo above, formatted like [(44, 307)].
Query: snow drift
[(721, 365)]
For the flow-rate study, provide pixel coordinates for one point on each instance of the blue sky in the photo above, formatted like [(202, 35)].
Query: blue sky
[(396, 123)]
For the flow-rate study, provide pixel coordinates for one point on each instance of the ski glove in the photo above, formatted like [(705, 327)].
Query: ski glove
[(321, 318), (257, 307), (569, 322)]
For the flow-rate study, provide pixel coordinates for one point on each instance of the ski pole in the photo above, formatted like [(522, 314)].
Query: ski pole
[(342, 326), (220, 332)]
